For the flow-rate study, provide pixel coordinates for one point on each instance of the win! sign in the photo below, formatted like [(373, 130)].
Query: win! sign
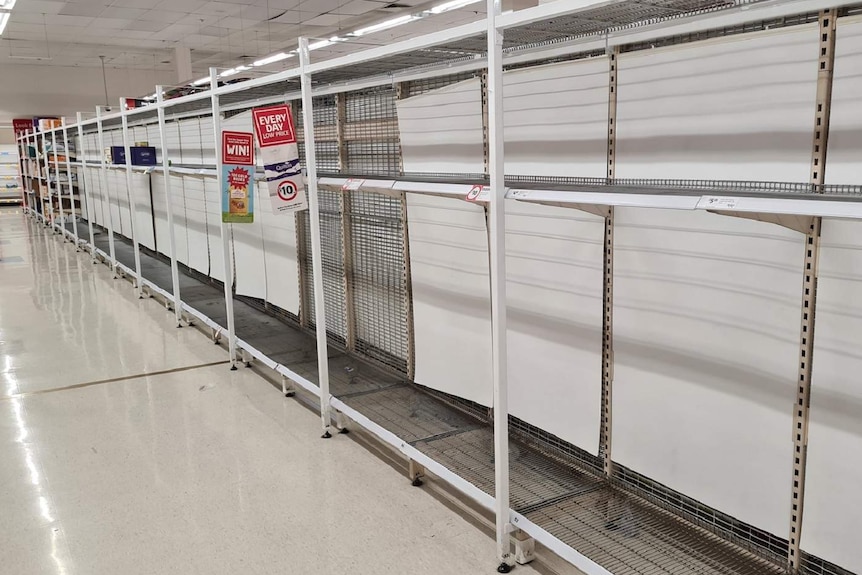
[(237, 148)]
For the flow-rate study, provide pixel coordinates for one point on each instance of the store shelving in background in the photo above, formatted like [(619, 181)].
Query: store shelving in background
[(10, 178)]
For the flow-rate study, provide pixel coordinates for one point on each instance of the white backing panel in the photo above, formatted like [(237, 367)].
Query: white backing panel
[(279, 247), (554, 273), (216, 246), (160, 214), (556, 119), (736, 108), (196, 222), (844, 163), (706, 336), (172, 138), (833, 503), (112, 194), (451, 296), (180, 220), (248, 251), (154, 139), (208, 142), (121, 189), (190, 140), (143, 209), (441, 131)]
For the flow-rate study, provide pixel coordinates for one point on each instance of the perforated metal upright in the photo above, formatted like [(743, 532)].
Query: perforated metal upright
[(497, 251), (169, 207), (83, 188), (606, 431), (103, 173), (60, 223), (316, 251), (227, 249), (45, 183), (801, 409), (71, 187), (127, 149)]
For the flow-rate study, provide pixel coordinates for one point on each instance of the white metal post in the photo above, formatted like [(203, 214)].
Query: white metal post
[(228, 265), (127, 149), (71, 187), (316, 251), (107, 194), (62, 225), (497, 248), (47, 182), (83, 188), (172, 238)]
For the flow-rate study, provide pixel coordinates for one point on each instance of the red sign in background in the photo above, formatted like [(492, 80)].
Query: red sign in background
[(274, 125), (21, 125), (237, 148)]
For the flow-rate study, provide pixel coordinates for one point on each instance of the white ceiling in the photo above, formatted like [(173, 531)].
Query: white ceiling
[(142, 34)]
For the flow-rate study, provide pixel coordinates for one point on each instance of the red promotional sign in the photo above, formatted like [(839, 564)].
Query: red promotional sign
[(21, 125), (274, 125), (237, 148)]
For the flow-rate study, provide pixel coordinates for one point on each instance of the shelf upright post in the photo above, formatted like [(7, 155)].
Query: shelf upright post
[(606, 430), (104, 177), (83, 187), (127, 149), (47, 182), (316, 251), (71, 187), (810, 278), (61, 227), (497, 249), (225, 230), (172, 236)]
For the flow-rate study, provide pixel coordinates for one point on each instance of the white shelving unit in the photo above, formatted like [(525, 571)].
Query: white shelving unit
[(10, 178)]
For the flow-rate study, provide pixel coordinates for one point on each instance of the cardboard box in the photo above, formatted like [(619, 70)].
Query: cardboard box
[(141, 156)]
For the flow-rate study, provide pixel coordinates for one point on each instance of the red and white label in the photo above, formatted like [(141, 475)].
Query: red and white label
[(478, 194), (352, 185), (274, 125), (237, 148), (21, 125)]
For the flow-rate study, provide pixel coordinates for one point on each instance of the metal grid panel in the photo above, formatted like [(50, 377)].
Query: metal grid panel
[(811, 565), (630, 537), (325, 134), (371, 131), (333, 265), (379, 278), (417, 87)]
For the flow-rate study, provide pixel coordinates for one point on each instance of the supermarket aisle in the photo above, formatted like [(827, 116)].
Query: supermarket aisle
[(126, 446)]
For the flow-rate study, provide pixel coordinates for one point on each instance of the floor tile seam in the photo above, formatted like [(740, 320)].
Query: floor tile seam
[(111, 380)]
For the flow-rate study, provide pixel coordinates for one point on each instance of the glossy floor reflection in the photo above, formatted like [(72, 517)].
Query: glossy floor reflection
[(195, 471)]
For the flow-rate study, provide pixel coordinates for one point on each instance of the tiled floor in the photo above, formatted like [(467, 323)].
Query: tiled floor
[(197, 470)]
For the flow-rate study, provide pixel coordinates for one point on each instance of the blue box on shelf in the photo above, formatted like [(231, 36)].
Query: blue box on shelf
[(141, 155)]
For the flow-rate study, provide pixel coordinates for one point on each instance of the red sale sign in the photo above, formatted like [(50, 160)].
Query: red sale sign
[(237, 148), (274, 125), (21, 125)]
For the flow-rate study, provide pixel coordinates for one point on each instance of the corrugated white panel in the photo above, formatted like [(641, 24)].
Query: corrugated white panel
[(160, 213), (441, 131), (706, 335), (248, 251), (172, 136), (121, 189), (279, 247), (844, 164), (208, 153), (180, 220), (451, 296), (143, 209), (190, 140), (154, 138), (112, 194), (91, 182), (736, 108), (216, 245), (833, 503), (556, 119), (554, 273), (196, 223)]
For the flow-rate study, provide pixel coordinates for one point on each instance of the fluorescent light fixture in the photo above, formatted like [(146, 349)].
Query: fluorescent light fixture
[(201, 81), (4, 19), (453, 5), (272, 59), (7, 4), (234, 71), (385, 25)]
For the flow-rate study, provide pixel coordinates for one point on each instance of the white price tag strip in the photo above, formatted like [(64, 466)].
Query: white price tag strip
[(478, 194), (717, 203), (352, 185)]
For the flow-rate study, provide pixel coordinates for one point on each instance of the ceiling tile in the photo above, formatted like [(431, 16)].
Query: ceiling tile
[(77, 9), (357, 7), (147, 26), (40, 6), (223, 8), (63, 21), (188, 6), (166, 16), (122, 12), (326, 20), (110, 23)]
